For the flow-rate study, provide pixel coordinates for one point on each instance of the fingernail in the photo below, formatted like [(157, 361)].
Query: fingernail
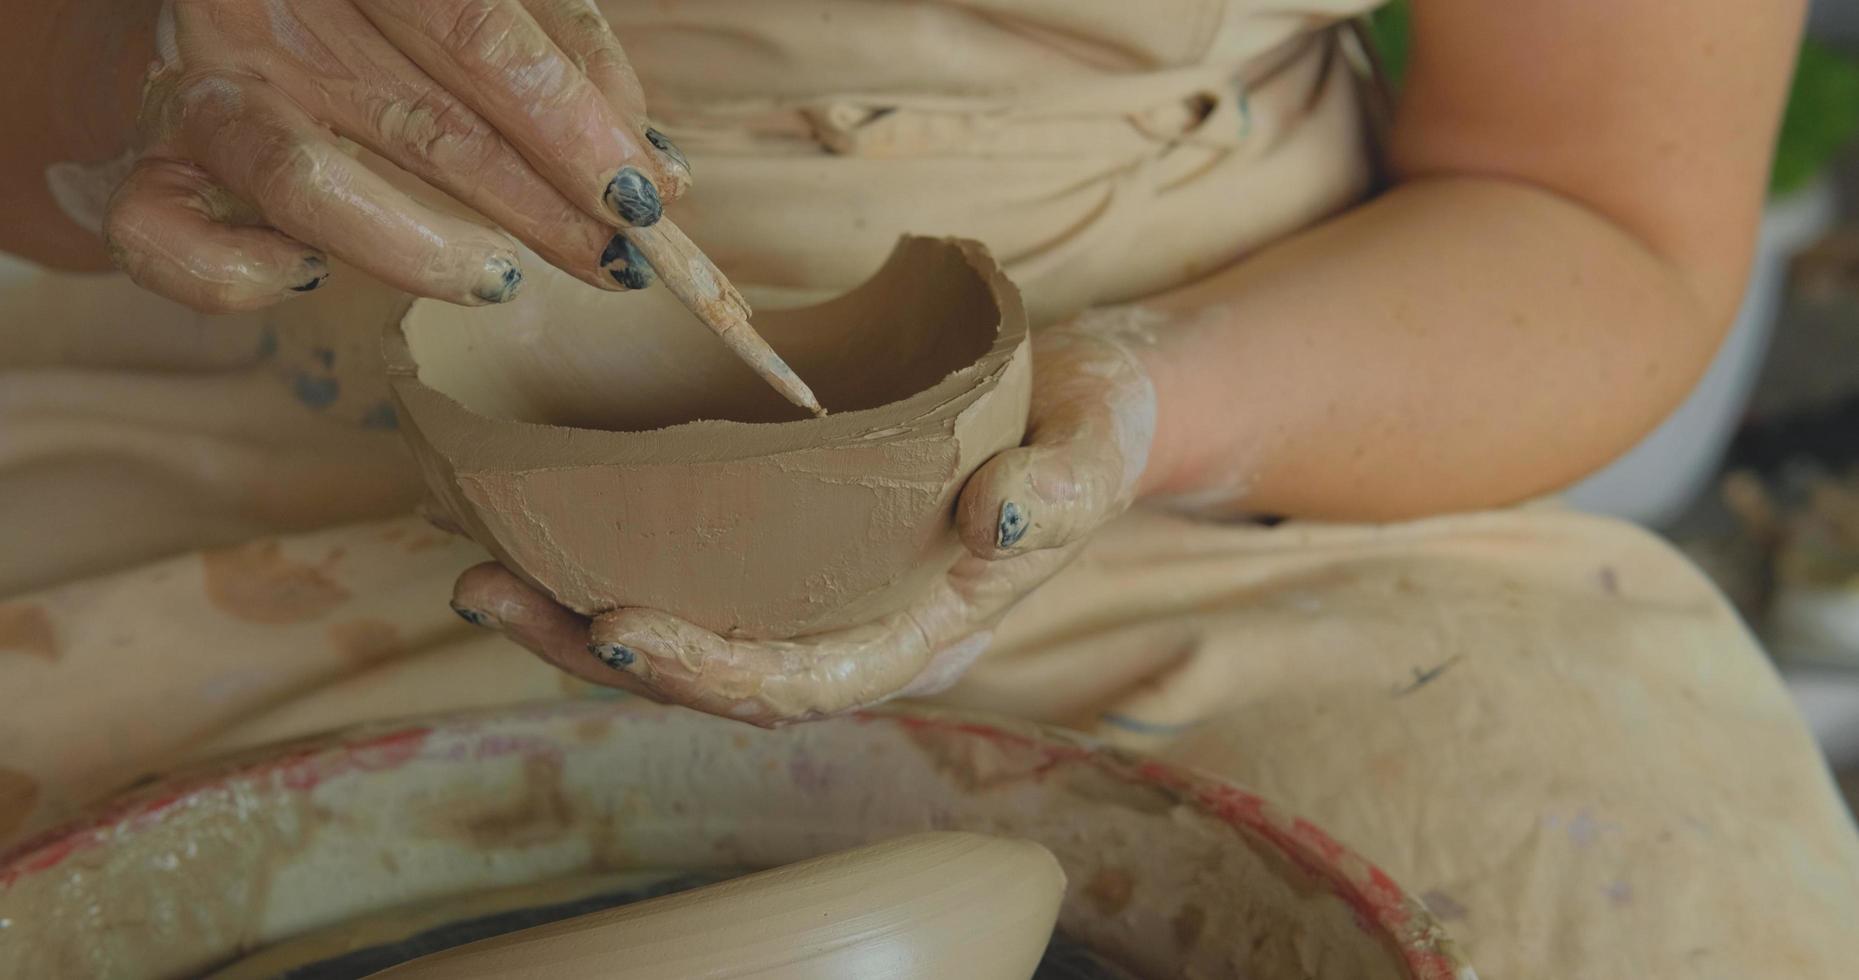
[(615, 655), (668, 148), (313, 271), (626, 264), (1013, 525), (474, 617), (631, 196), (502, 280)]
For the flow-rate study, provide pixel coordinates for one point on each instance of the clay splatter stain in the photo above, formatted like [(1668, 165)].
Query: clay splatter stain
[(593, 730), (1187, 926), (1110, 890), (811, 777), (1609, 579), (365, 641), (18, 792), (1424, 677), (424, 542), (315, 392), (539, 813), (382, 417), (256, 583), (26, 628)]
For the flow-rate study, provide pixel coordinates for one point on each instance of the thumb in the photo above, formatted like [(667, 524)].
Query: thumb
[(1088, 437)]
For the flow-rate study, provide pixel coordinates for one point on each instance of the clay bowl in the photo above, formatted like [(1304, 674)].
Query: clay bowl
[(611, 451), (1170, 873)]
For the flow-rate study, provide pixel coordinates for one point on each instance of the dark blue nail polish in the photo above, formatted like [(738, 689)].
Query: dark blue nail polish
[(471, 616), (1013, 525), (506, 280), (631, 196), (615, 655), (626, 264), (318, 270), (667, 147)]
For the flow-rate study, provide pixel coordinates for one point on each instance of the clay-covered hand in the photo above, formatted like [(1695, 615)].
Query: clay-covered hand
[(527, 111), (1023, 515)]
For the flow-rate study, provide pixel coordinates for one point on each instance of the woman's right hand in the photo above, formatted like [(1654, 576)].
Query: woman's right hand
[(526, 111)]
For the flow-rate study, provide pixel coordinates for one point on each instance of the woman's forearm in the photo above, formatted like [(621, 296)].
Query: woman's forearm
[(73, 71), (1455, 343)]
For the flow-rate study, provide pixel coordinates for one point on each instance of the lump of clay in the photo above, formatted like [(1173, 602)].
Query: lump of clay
[(612, 452), (928, 906)]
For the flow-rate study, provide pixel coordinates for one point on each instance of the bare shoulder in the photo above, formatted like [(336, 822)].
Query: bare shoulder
[(1659, 114)]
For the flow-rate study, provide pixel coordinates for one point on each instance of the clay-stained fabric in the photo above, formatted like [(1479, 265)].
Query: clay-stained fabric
[(1102, 150), (1087, 142), (1548, 726)]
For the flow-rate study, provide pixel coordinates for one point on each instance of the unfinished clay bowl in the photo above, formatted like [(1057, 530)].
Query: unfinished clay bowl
[(608, 449), (406, 835)]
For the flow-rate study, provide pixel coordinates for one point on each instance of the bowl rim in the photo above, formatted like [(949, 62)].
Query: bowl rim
[(523, 445)]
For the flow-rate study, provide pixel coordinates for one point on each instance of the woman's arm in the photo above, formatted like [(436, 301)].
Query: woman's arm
[(1578, 187)]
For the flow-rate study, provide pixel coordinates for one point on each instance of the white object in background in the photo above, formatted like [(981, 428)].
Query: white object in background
[(1816, 625), (1660, 477), (1829, 701)]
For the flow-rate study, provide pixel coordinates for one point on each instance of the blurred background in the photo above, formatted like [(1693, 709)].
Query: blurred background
[(1757, 475)]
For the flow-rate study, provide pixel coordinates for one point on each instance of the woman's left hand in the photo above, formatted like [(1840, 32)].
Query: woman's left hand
[(1022, 516)]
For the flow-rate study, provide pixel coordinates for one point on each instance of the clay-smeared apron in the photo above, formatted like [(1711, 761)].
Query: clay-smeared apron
[(1546, 724)]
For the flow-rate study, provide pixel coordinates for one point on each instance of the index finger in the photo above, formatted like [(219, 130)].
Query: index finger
[(494, 56), (584, 36)]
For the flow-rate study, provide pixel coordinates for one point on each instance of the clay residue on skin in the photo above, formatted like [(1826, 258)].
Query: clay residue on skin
[(364, 641), (925, 906), (25, 627), (18, 793), (257, 583)]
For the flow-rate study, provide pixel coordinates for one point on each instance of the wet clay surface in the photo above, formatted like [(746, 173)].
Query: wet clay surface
[(661, 473)]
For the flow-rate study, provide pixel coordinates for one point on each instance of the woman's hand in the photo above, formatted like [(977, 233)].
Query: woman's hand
[(1022, 516), (525, 110)]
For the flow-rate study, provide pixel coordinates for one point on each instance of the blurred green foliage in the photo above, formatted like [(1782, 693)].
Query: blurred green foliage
[(1821, 119), (1822, 116), (1391, 26)]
